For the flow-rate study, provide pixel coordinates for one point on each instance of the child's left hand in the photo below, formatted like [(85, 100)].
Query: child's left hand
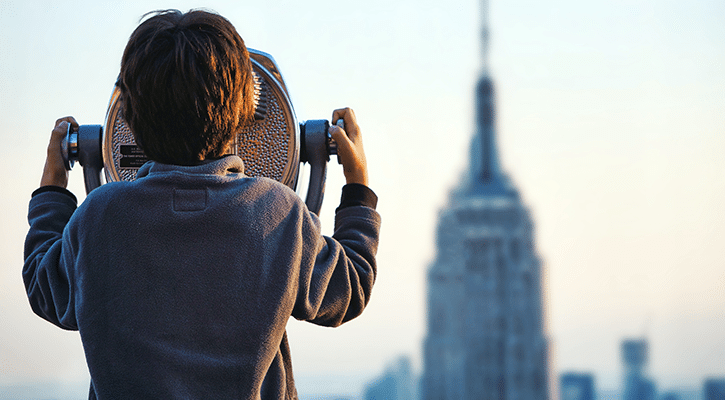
[(54, 172)]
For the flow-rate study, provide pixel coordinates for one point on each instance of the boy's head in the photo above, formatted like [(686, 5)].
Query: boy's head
[(186, 85)]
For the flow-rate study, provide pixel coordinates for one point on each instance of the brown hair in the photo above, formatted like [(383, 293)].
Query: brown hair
[(186, 85)]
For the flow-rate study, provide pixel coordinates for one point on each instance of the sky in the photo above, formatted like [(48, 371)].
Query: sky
[(610, 122)]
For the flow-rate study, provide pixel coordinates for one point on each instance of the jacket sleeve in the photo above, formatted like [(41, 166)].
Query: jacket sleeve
[(337, 287), (46, 273)]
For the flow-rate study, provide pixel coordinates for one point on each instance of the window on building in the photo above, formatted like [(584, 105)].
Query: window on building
[(478, 255), (515, 250)]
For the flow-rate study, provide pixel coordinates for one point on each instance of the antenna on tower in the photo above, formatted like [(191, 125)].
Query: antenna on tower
[(484, 36), (647, 325)]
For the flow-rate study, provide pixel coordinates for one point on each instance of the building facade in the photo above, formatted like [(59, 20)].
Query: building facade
[(397, 383), (637, 386), (576, 386), (485, 337), (714, 389)]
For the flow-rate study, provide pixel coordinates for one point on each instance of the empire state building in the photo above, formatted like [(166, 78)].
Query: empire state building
[(485, 336)]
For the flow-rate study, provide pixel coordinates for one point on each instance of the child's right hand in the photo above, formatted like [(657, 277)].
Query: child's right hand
[(350, 147)]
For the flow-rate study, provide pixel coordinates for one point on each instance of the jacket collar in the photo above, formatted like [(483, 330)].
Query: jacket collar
[(229, 164)]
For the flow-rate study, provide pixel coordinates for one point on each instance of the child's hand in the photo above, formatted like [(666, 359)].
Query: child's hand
[(350, 146), (54, 172)]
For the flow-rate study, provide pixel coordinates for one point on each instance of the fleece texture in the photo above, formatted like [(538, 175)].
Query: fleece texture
[(181, 282)]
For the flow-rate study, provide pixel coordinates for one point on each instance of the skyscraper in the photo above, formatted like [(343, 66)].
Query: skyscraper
[(395, 384), (636, 384), (575, 386), (485, 330), (714, 389)]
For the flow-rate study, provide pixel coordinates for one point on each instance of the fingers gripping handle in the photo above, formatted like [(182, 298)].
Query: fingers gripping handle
[(331, 144), (84, 145)]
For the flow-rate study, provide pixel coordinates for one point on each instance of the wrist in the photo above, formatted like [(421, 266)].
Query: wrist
[(54, 176), (54, 182), (360, 179)]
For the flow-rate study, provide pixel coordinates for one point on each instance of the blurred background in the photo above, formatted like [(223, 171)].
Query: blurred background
[(610, 122)]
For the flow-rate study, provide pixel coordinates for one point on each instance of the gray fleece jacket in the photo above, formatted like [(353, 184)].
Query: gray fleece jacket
[(181, 282)]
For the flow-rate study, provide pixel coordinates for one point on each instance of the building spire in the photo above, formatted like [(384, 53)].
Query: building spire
[(486, 175), (484, 37)]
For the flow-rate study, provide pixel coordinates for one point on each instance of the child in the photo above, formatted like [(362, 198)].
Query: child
[(182, 281)]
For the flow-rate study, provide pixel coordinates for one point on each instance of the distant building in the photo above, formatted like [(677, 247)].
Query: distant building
[(670, 396), (328, 397), (714, 389), (637, 386), (382, 389), (575, 386), (485, 338), (396, 383)]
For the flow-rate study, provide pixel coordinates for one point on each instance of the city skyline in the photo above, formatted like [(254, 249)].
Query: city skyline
[(611, 122)]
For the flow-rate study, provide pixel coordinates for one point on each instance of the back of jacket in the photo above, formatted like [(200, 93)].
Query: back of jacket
[(181, 282)]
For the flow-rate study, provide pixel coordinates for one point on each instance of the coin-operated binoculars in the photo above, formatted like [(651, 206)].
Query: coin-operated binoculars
[(273, 146)]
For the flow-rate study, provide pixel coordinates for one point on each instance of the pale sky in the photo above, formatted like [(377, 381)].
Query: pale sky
[(611, 123)]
